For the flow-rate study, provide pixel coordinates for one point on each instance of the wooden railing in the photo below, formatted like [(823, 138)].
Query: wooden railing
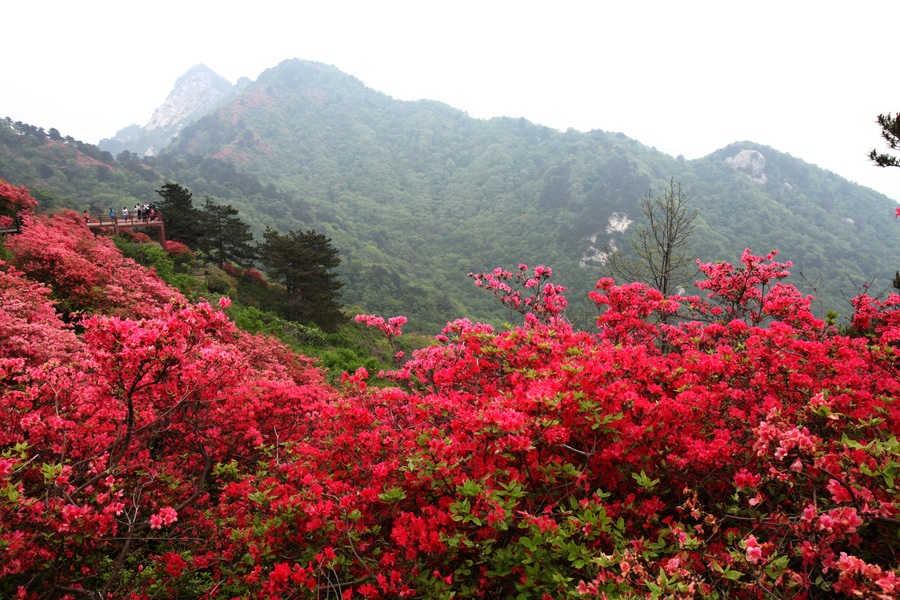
[(16, 227), (100, 220)]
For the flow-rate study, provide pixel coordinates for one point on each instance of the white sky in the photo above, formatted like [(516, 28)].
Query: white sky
[(807, 78)]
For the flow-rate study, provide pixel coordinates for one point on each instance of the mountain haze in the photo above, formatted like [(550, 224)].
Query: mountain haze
[(196, 93), (417, 194)]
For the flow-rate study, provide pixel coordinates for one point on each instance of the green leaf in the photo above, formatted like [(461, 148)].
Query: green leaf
[(11, 493), (570, 470), (469, 488), (259, 497), (392, 495), (644, 481), (50, 472)]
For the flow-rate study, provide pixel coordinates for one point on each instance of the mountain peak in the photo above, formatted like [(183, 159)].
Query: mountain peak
[(751, 163), (199, 91), (196, 92)]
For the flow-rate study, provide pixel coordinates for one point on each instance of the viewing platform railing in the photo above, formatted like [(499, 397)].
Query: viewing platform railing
[(100, 221), (117, 222)]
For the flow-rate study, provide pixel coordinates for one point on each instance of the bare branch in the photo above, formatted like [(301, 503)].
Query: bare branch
[(659, 251)]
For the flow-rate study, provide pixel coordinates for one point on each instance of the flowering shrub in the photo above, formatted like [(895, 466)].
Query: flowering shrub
[(536, 297), (256, 277), (178, 250), (14, 199), (29, 326), (756, 457), (109, 454), (136, 236), (86, 273), (729, 445), (391, 328)]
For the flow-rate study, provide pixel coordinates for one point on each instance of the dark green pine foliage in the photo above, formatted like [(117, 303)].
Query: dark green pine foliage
[(226, 238), (304, 263), (183, 222), (890, 132)]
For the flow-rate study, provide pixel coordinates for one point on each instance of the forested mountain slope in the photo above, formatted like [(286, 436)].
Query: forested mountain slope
[(418, 194), (153, 448)]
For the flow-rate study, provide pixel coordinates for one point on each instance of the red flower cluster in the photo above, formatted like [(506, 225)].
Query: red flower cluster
[(177, 249), (730, 445), (86, 273), (15, 199)]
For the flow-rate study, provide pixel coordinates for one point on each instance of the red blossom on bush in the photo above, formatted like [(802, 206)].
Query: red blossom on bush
[(536, 299), (391, 328), (256, 277), (15, 199), (166, 516), (137, 236), (740, 449), (177, 249), (29, 325), (87, 273)]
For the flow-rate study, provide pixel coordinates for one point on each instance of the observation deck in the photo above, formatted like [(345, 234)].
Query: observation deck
[(118, 223)]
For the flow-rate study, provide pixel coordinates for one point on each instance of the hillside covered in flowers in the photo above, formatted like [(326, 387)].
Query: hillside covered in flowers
[(728, 444)]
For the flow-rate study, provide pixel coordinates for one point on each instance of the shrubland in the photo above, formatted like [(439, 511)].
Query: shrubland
[(723, 445)]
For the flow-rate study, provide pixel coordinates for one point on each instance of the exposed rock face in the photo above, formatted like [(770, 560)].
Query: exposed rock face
[(618, 223), (597, 252), (196, 93), (751, 163)]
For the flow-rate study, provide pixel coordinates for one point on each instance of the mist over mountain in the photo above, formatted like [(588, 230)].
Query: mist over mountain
[(418, 194), (196, 93)]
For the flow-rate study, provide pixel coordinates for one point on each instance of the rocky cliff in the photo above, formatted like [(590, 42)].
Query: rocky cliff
[(196, 93)]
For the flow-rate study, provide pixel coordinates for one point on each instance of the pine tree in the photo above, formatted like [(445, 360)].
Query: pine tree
[(303, 262), (226, 239), (890, 132), (183, 222)]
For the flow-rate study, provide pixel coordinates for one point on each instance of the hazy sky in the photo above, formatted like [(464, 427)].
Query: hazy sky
[(806, 78)]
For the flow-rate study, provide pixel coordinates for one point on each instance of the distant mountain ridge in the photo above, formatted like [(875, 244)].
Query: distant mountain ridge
[(417, 194), (196, 93)]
